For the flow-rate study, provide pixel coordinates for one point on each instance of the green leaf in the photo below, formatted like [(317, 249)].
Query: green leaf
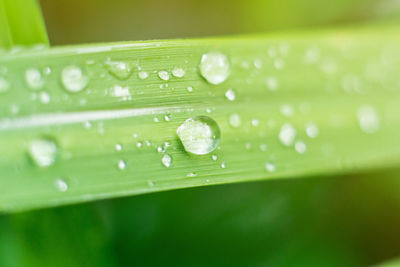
[(337, 89), (21, 23)]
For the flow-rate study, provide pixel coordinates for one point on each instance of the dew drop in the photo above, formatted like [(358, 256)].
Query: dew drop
[(272, 83), (191, 174), (235, 121), (122, 92), (166, 160), (4, 85), (167, 117), (368, 119), (263, 147), (34, 79), (214, 157), (223, 165), (312, 130), (119, 69), (287, 134), (121, 165), (190, 89), (255, 122), (43, 152), (164, 75), (300, 147), (44, 98), (143, 75), (118, 147), (199, 135), (287, 110), (215, 67), (230, 95), (73, 79), (270, 167), (61, 185), (139, 144), (178, 72)]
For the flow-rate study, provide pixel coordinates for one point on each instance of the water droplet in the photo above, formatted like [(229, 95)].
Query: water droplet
[(166, 160), (235, 121), (230, 95), (61, 185), (255, 122), (223, 165), (368, 119), (150, 183), (191, 174), (120, 70), (43, 151), (270, 167), (44, 98), (190, 89), (287, 134), (215, 67), (164, 75), (199, 135), (118, 147), (139, 144), (121, 165), (214, 157), (258, 63), (287, 110), (279, 63), (167, 117), (178, 72), (122, 92), (34, 79), (312, 130), (73, 79), (300, 147), (143, 75), (272, 83), (263, 147), (4, 85), (47, 71), (248, 146), (161, 149)]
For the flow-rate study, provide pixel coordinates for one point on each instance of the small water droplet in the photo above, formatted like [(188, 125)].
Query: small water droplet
[(4, 85), (312, 130), (121, 165), (258, 63), (287, 134), (191, 174), (34, 79), (166, 160), (223, 165), (161, 149), (300, 147), (235, 121), (178, 72), (270, 167), (139, 144), (150, 183), (248, 146), (279, 63), (263, 147), (164, 75), (368, 119), (199, 135), (287, 110), (190, 89), (214, 157), (215, 67), (122, 92), (44, 98), (230, 95), (255, 122), (73, 79), (47, 71), (118, 147), (61, 185), (272, 83), (119, 69), (143, 75), (167, 117), (43, 152)]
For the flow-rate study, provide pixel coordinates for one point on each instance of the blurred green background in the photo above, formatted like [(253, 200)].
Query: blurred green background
[(351, 220)]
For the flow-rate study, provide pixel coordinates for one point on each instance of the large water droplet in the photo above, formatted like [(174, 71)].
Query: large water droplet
[(43, 151), (73, 79), (4, 85), (34, 79), (287, 134), (368, 119), (215, 67), (120, 70), (166, 160), (199, 135)]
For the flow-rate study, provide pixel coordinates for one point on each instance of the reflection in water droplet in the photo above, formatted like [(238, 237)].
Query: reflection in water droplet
[(199, 135), (215, 67), (166, 160), (73, 79), (34, 79), (43, 151), (235, 121), (287, 134), (368, 119)]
